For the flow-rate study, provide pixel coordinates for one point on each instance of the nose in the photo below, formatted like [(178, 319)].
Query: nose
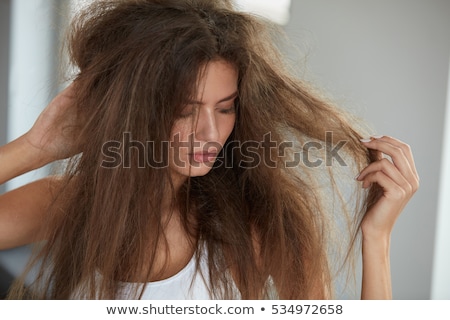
[(206, 129)]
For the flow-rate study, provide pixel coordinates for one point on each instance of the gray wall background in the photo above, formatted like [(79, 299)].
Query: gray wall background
[(387, 61), (5, 6)]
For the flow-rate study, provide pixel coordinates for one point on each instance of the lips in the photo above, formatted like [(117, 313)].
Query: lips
[(204, 156)]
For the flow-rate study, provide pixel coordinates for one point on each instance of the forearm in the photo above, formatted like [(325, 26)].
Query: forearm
[(376, 278), (18, 157), (398, 181)]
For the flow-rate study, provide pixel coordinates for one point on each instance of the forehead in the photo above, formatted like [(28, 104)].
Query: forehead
[(219, 79)]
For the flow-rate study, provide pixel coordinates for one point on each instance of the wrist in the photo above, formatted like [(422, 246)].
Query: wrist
[(376, 243), (32, 156), (374, 232)]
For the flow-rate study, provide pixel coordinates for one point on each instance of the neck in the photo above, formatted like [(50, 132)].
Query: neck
[(170, 193)]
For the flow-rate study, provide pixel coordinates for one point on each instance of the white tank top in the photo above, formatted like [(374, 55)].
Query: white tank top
[(189, 284), (186, 284)]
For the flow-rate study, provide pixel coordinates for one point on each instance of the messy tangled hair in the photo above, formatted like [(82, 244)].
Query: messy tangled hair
[(139, 61)]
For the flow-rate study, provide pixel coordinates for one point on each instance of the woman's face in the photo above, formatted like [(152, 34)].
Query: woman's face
[(205, 124)]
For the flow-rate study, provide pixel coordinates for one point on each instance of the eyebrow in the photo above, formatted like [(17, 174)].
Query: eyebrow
[(228, 98)]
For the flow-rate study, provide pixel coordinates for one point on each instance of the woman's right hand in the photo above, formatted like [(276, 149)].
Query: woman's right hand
[(52, 137), (55, 131)]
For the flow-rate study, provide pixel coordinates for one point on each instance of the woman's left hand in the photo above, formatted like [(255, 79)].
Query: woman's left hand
[(398, 179)]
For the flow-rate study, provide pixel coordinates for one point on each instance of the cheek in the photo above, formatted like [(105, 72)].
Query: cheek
[(228, 126), (181, 132)]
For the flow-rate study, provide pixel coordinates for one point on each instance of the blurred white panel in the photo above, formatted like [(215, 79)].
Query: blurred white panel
[(277, 11), (76, 5), (441, 266), (33, 64)]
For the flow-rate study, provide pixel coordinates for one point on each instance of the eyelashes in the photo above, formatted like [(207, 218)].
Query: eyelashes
[(228, 110), (187, 111), (190, 111)]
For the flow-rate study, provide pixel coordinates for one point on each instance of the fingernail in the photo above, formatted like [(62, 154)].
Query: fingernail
[(357, 176), (377, 137), (365, 140)]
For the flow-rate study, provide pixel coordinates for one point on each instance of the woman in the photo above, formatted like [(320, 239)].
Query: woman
[(181, 186)]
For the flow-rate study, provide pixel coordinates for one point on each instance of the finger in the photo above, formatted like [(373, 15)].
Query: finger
[(390, 188), (389, 170), (397, 155), (405, 148)]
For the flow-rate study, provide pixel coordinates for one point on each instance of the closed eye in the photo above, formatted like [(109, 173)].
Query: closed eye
[(188, 111), (228, 110)]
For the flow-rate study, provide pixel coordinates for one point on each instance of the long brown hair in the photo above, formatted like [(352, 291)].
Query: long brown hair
[(138, 62)]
